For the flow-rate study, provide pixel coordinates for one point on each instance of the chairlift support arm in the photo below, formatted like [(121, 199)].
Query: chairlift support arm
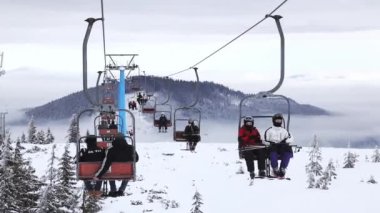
[(90, 22), (278, 23)]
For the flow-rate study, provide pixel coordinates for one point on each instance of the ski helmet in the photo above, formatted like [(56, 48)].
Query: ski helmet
[(249, 121), (277, 119)]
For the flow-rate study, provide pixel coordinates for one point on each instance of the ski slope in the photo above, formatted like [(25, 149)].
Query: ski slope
[(166, 174)]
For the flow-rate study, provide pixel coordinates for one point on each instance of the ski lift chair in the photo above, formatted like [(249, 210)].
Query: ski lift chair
[(149, 106), (178, 135), (117, 171), (162, 108)]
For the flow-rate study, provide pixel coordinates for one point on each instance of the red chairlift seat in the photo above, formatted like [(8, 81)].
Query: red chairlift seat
[(117, 171), (148, 109)]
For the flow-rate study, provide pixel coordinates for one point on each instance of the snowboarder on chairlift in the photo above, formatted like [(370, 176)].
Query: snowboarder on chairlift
[(192, 134), (279, 139), (162, 123), (251, 146)]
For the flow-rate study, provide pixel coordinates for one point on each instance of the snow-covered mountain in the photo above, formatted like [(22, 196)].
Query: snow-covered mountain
[(215, 101)]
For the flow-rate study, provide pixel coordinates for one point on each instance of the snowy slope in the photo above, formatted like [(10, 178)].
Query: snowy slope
[(167, 176), (212, 171)]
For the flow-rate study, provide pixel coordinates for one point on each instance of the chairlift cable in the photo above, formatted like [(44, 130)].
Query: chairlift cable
[(234, 39)]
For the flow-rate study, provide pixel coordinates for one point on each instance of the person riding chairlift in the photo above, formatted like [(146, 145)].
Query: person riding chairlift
[(92, 154), (249, 142), (192, 134), (120, 151), (279, 149), (162, 123)]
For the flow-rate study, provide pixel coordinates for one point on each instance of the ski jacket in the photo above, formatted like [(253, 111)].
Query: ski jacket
[(91, 155), (192, 133), (119, 152), (279, 139), (249, 137), (162, 121), (276, 134)]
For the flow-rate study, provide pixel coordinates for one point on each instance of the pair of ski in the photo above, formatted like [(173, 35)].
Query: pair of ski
[(251, 181)]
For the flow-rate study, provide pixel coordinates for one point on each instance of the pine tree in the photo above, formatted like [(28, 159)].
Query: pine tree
[(376, 156), (331, 170), (28, 185), (350, 159), (197, 203), (23, 138), (32, 131), (49, 201), (67, 192), (73, 131), (311, 180), (41, 139), (315, 157), (49, 137), (323, 181), (91, 204), (7, 192)]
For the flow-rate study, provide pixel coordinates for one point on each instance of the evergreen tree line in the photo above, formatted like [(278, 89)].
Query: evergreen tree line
[(36, 137), (319, 178), (22, 191)]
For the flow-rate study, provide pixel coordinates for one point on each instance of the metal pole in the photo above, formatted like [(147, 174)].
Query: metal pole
[(104, 36), (121, 102)]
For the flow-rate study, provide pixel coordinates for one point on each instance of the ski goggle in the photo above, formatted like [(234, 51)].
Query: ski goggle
[(249, 123), (279, 120)]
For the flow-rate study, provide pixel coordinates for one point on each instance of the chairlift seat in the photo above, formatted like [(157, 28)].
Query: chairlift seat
[(180, 136), (156, 123), (148, 110), (117, 171), (108, 132)]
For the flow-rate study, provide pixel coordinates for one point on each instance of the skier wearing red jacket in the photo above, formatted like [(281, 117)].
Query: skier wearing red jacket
[(250, 145)]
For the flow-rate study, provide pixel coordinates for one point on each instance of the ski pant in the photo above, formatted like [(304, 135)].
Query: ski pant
[(284, 157), (90, 186), (122, 187), (249, 157)]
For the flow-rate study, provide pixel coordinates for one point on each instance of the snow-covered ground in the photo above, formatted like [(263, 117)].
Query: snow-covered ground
[(167, 175)]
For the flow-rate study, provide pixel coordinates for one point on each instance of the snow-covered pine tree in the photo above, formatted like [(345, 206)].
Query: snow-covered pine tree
[(310, 180), (41, 137), (376, 155), (27, 183), (323, 181), (23, 138), (91, 204), (331, 170), (372, 180), (73, 134), (49, 137), (32, 132), (314, 167), (49, 201), (7, 192), (197, 203), (67, 192), (350, 159)]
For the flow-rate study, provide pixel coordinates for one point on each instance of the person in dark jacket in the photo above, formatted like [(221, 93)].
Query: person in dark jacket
[(192, 134), (91, 154), (250, 145), (120, 151), (162, 123)]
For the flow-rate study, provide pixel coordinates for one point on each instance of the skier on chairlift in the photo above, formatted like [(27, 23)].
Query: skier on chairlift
[(279, 149), (251, 146), (162, 123)]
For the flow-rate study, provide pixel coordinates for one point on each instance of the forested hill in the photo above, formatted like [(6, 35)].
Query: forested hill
[(215, 100)]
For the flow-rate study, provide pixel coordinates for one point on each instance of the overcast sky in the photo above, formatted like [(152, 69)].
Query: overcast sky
[(332, 46)]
